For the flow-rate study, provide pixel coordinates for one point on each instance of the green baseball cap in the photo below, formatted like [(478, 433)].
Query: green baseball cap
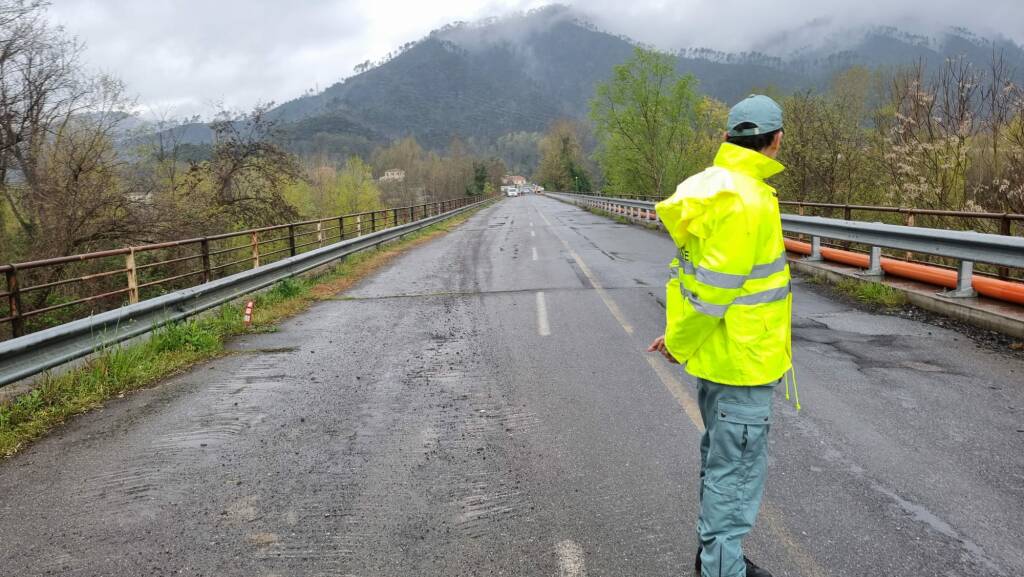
[(757, 109)]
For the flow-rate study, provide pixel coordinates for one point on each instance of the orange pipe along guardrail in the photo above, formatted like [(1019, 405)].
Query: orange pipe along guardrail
[(995, 288)]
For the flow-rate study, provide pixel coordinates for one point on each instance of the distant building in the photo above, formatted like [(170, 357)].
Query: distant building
[(140, 197), (513, 180), (393, 175)]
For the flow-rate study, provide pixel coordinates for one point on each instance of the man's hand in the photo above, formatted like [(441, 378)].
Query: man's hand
[(659, 346)]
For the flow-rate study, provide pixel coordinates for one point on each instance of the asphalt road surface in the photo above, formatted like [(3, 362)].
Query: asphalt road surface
[(483, 406)]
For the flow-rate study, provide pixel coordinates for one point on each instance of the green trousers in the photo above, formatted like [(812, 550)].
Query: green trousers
[(733, 461)]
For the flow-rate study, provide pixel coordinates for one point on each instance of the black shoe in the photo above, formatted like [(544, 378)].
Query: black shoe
[(752, 569)]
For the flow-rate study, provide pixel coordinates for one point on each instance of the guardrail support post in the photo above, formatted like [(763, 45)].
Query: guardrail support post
[(815, 249), (875, 262), (204, 246), (320, 232), (964, 282), (394, 217), (133, 277), (254, 242), (373, 221), (341, 228), (291, 239), (14, 303)]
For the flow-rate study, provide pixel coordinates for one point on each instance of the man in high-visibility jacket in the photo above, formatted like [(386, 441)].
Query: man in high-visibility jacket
[(728, 310)]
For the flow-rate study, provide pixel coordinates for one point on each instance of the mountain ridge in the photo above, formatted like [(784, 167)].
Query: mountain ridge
[(481, 80)]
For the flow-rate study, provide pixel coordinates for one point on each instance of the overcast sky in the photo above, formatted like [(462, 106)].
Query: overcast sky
[(182, 56)]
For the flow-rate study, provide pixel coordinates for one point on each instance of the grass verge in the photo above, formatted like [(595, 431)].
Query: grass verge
[(176, 347), (872, 293)]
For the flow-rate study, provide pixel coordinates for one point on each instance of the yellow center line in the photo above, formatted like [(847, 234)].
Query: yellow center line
[(771, 515)]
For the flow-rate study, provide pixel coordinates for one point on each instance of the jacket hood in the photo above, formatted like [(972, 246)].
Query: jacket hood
[(704, 197), (746, 161)]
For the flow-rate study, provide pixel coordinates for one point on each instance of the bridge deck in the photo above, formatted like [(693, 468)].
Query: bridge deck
[(484, 406)]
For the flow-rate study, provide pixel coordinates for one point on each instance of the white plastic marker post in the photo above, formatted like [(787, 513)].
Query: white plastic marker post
[(247, 318), (534, 253)]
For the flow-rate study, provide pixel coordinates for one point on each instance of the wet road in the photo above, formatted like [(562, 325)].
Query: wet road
[(483, 407)]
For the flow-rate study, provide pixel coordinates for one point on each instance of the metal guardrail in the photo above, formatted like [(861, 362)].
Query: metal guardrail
[(53, 291), (34, 353), (910, 214), (641, 209), (967, 247)]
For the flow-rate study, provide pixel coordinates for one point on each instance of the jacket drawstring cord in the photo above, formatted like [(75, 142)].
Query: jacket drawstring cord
[(791, 374)]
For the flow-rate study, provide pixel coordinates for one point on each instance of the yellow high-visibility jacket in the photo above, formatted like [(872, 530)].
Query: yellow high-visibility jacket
[(728, 305)]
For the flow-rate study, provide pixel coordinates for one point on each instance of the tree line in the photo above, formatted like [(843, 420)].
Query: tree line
[(952, 139)]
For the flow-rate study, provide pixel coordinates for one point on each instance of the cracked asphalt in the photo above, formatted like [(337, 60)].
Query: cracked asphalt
[(483, 406)]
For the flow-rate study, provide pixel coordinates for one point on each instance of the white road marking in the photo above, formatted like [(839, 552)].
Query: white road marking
[(531, 224), (605, 297), (544, 217), (534, 253), (570, 559), (533, 233), (543, 328)]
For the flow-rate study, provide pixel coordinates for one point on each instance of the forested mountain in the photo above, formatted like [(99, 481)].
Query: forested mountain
[(479, 81)]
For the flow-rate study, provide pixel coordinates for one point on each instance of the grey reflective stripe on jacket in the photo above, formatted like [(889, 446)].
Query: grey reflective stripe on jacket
[(712, 310), (718, 311), (727, 280)]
